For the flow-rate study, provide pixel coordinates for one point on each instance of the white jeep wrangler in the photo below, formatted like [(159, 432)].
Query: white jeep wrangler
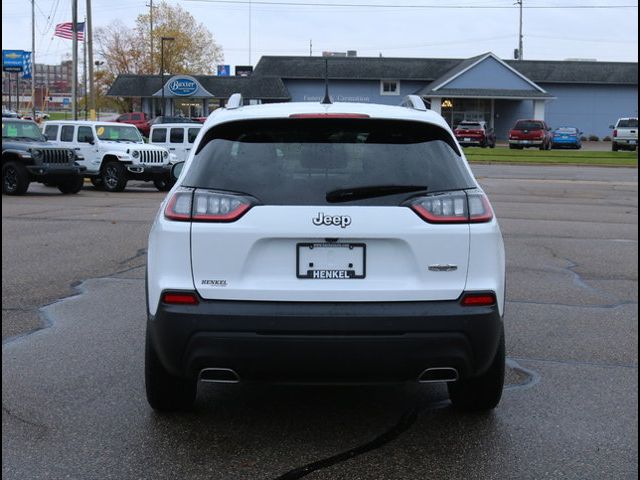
[(114, 153)]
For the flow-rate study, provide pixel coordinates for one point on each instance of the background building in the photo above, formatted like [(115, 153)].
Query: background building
[(589, 95)]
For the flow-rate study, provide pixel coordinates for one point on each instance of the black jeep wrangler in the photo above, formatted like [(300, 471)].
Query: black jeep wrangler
[(27, 157)]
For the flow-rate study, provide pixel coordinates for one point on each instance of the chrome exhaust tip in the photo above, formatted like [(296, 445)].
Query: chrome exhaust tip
[(219, 375), (438, 374)]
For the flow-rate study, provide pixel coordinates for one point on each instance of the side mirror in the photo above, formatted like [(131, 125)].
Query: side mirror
[(176, 170), (92, 141), (46, 137)]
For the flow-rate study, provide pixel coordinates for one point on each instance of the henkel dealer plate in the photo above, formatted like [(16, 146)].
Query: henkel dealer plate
[(331, 261)]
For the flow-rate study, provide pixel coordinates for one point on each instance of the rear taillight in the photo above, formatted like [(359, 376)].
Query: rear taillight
[(615, 133), (180, 298), (478, 299), (453, 207), (206, 206)]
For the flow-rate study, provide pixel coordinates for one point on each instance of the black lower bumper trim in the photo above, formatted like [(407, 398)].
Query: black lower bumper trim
[(325, 342)]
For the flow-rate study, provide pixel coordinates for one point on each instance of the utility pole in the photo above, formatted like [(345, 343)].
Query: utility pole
[(249, 32), (311, 48), (150, 34), (33, 59), (74, 59), (89, 45), (520, 56)]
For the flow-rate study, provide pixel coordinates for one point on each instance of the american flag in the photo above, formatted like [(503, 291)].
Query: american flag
[(65, 30)]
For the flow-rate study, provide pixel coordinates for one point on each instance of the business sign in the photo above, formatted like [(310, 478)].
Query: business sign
[(182, 87), (243, 70), (26, 73), (13, 60), (224, 70)]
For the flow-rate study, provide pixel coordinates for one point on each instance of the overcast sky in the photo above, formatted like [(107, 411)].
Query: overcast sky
[(549, 34)]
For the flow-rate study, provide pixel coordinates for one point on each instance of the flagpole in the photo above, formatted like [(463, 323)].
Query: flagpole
[(33, 59), (84, 69), (74, 59)]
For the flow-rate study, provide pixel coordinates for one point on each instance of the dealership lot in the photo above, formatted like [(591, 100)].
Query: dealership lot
[(73, 396)]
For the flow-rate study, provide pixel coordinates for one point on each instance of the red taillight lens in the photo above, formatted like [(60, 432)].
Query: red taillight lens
[(615, 133), (206, 206), (478, 299), (180, 298), (453, 207)]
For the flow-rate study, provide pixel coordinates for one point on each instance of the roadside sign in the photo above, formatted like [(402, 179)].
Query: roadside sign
[(243, 70), (224, 70), (13, 60)]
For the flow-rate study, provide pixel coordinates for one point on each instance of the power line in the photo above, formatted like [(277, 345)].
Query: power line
[(435, 7)]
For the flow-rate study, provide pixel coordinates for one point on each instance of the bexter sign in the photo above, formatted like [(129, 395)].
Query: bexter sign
[(183, 87), (13, 60)]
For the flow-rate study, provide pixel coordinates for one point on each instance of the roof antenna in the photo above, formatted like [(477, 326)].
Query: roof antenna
[(326, 100)]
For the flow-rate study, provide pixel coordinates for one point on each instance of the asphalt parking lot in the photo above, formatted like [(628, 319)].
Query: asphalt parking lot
[(73, 395)]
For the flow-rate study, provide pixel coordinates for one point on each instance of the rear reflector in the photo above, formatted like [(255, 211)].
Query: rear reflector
[(478, 299), (180, 298), (328, 115)]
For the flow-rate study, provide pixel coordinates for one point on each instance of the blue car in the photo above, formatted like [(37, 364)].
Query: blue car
[(566, 137)]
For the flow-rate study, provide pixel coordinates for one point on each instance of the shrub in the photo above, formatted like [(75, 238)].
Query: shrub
[(583, 138), (593, 138), (606, 139)]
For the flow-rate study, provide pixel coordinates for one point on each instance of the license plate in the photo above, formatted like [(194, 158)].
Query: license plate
[(525, 141), (467, 140), (331, 261), (632, 142)]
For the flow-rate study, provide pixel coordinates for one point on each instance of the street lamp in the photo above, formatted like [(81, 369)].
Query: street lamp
[(162, 40)]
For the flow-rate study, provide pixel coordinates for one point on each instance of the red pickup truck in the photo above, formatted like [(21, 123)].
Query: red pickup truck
[(530, 133), (139, 119)]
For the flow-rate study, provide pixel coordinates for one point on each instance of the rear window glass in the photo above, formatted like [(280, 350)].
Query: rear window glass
[(296, 162), (469, 126), (629, 123), (528, 125)]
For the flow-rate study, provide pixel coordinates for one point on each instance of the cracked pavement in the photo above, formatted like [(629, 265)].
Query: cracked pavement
[(73, 396)]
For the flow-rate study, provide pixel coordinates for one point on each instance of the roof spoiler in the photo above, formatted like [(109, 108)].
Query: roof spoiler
[(235, 101), (415, 102)]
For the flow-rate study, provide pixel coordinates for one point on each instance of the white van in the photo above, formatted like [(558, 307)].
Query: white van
[(178, 138)]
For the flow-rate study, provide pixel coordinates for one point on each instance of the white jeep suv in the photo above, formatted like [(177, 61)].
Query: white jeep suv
[(114, 153), (306, 242)]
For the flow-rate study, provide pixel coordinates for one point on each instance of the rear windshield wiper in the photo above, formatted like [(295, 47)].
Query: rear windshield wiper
[(358, 193)]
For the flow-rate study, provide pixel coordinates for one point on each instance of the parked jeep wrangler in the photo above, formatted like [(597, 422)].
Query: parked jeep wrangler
[(27, 157), (113, 153)]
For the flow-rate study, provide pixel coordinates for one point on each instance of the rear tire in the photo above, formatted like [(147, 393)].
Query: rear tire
[(163, 184), (15, 179), (614, 146), (71, 185), (483, 393), (166, 393), (114, 177)]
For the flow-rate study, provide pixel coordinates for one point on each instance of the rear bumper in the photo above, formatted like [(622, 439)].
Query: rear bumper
[(470, 140), (526, 143), (325, 342)]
